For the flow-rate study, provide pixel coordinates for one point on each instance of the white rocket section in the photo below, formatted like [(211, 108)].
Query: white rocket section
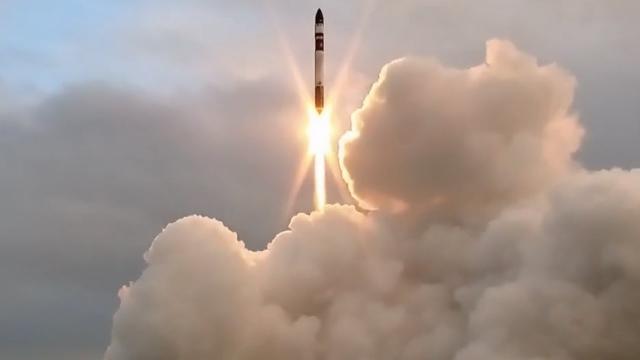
[(319, 59)]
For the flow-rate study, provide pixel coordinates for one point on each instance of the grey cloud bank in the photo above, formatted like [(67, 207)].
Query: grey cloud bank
[(102, 169)]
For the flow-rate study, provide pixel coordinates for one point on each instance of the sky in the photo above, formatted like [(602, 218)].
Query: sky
[(118, 117)]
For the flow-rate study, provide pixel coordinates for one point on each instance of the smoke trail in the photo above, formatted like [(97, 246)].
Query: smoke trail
[(489, 241)]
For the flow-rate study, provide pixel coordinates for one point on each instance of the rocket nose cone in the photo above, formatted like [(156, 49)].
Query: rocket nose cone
[(319, 17)]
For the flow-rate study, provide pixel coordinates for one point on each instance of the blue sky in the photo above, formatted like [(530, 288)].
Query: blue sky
[(40, 41)]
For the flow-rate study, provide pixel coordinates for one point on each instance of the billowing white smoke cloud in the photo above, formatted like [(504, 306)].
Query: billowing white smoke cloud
[(551, 272), (433, 140)]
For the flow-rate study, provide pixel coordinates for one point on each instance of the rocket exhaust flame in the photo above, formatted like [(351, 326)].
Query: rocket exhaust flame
[(319, 135)]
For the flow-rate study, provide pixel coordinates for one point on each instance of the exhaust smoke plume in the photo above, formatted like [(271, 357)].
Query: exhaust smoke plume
[(520, 253), (459, 144)]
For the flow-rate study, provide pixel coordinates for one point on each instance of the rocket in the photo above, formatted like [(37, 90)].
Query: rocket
[(319, 62)]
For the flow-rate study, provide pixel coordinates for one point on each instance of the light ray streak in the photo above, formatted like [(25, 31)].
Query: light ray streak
[(354, 46)]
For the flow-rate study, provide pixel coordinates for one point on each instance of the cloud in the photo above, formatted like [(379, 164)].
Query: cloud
[(461, 143), (550, 273), (539, 282)]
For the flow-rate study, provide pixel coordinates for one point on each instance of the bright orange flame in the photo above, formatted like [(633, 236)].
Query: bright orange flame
[(319, 133)]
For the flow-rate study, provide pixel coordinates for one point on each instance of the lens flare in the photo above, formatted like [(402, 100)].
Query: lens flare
[(319, 133)]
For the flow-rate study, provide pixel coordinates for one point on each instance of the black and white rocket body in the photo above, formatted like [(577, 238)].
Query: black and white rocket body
[(319, 62)]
